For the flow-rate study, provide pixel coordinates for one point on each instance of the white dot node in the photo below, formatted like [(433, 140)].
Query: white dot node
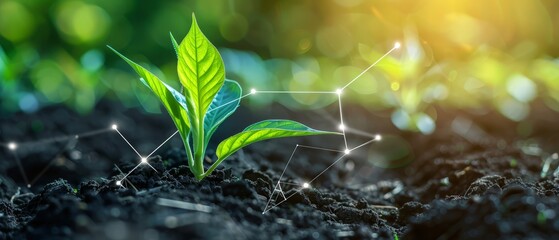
[(347, 151), (28, 185), (114, 126), (253, 91), (119, 183), (339, 91), (306, 185), (12, 146), (378, 137), (397, 45), (144, 160), (341, 127)]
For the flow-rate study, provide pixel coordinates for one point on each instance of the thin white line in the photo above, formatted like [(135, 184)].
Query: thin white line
[(288, 183), (342, 119), (360, 132), (169, 138), (370, 141), (275, 205), (319, 148), (20, 168), (296, 92), (125, 176), (152, 167), (128, 142), (232, 101), (69, 145), (125, 179), (283, 172), (367, 69), (340, 158), (60, 138)]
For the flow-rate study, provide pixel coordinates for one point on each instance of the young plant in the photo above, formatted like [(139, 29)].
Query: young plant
[(207, 101)]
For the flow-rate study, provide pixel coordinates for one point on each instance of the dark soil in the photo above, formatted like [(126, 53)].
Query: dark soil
[(478, 184)]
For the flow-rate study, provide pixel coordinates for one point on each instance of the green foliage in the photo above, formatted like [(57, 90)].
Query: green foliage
[(207, 101)]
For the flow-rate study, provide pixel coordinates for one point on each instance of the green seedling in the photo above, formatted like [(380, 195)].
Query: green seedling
[(207, 101)]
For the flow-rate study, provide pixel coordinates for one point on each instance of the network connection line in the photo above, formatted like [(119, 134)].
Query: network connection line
[(307, 185), (272, 203), (143, 160), (14, 147), (292, 92), (320, 148), (126, 140), (122, 173), (396, 46), (163, 143), (232, 101), (342, 127), (20, 167)]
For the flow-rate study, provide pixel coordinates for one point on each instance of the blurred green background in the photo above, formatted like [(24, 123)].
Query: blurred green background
[(493, 55)]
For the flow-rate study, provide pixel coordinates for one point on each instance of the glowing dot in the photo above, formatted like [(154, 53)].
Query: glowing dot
[(395, 86), (144, 160), (114, 126), (118, 183), (12, 146), (378, 137), (397, 45), (342, 127), (28, 185), (339, 91), (253, 91), (306, 185), (347, 151)]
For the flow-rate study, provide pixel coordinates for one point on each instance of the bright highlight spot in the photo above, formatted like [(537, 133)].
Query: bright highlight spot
[(378, 137), (306, 185), (342, 127), (253, 91), (28, 185), (347, 151), (339, 91), (114, 126), (395, 86), (144, 160), (397, 45), (118, 183), (12, 146)]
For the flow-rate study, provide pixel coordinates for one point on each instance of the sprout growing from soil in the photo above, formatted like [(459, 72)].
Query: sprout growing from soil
[(208, 100)]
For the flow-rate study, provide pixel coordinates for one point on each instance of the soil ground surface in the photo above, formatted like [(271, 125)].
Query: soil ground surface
[(478, 176)]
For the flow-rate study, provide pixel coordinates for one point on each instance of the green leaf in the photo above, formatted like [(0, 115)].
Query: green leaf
[(176, 94), (223, 105), (175, 44), (170, 98), (201, 72), (268, 129)]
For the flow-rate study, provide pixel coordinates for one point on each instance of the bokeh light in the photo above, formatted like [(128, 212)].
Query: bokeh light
[(453, 54)]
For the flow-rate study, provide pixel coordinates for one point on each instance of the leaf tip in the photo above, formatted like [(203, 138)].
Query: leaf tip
[(194, 22)]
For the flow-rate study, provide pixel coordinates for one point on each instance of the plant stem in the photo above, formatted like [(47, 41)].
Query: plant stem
[(199, 149), (189, 153)]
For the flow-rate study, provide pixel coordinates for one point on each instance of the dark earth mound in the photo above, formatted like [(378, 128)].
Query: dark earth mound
[(476, 184)]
